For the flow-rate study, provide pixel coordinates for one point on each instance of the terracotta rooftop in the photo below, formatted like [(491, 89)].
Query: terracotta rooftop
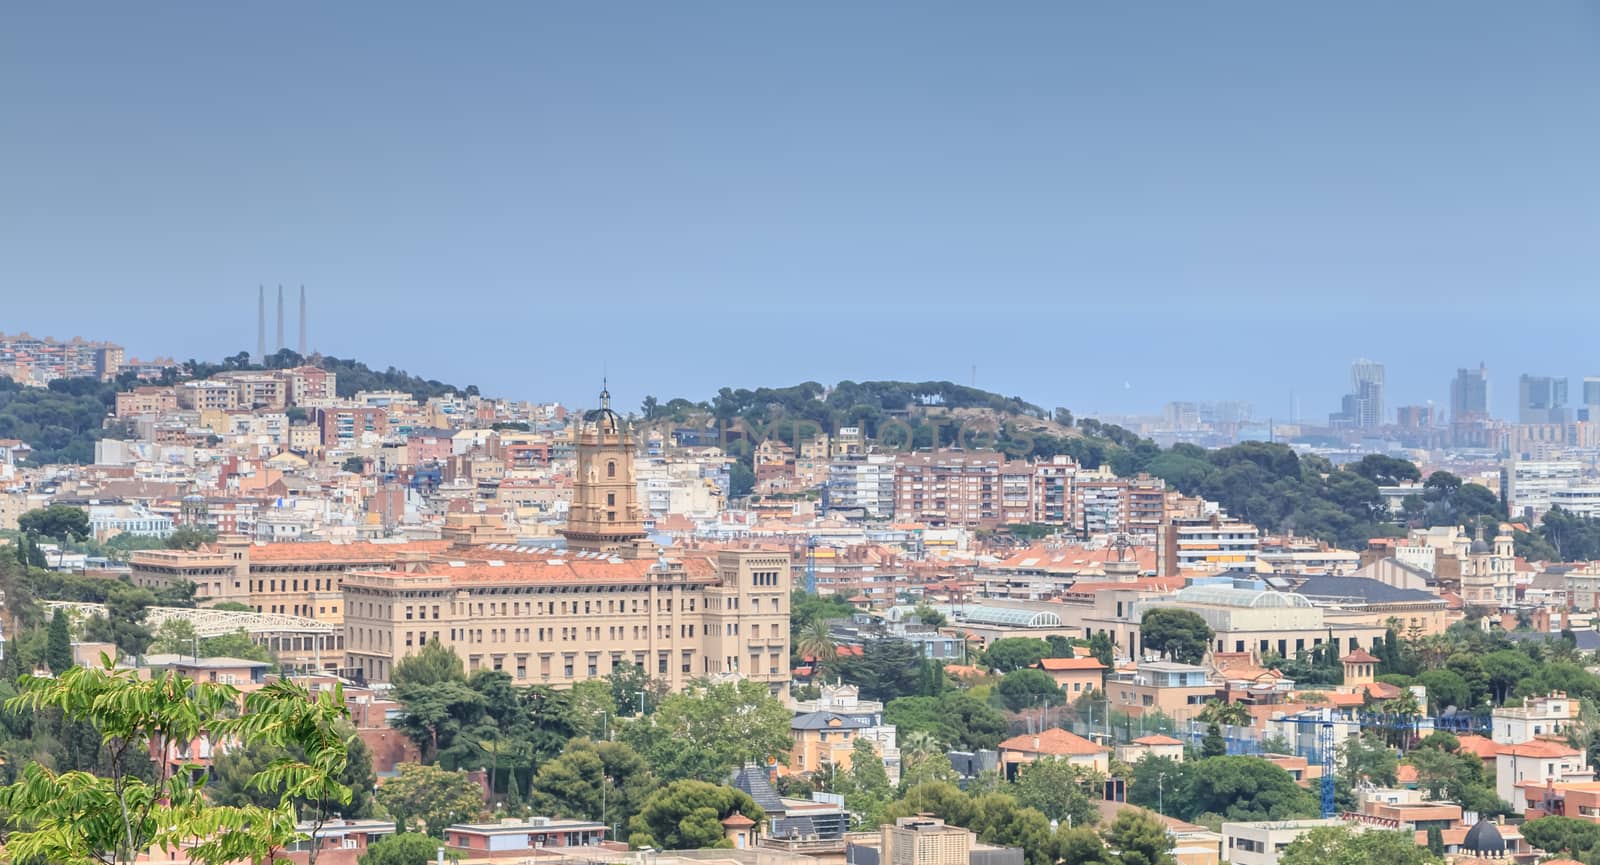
[(324, 551), (555, 569), (1063, 664), (1358, 656), (1052, 742), (1539, 748), (1157, 740), (1479, 745)]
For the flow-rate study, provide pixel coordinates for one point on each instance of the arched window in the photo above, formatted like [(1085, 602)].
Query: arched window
[(611, 469)]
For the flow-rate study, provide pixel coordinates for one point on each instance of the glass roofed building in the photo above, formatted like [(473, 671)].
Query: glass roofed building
[(990, 622), (1246, 615)]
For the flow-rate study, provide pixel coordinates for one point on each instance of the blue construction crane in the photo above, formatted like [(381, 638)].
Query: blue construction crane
[(811, 565)]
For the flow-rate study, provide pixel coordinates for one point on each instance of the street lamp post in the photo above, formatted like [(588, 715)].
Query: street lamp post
[(1161, 793)]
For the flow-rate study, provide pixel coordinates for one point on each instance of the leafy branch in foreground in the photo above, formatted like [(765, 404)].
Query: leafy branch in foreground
[(80, 818)]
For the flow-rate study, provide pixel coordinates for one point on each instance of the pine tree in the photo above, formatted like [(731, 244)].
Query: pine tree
[(1213, 745), (58, 647), (1435, 841)]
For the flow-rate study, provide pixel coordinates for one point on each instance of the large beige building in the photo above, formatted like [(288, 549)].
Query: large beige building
[(560, 620), (609, 599)]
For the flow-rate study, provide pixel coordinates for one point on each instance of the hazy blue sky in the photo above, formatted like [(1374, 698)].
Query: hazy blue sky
[(1100, 205)]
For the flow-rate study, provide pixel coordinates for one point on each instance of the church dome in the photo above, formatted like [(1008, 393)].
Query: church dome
[(1484, 838), (1480, 547)]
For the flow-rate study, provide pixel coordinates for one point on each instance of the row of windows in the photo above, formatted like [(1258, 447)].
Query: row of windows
[(294, 585)]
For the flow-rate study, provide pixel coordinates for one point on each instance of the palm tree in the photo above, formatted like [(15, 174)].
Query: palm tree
[(1229, 714), (815, 642)]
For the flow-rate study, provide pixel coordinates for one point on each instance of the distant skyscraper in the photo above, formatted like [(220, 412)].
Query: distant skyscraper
[(1591, 398), (1366, 385), (1541, 399), (1469, 394)]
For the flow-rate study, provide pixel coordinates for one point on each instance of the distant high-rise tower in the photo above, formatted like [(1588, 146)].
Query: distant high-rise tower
[(1366, 385), (1541, 399), (261, 323), (280, 318), (1469, 395), (1591, 398), (302, 348)]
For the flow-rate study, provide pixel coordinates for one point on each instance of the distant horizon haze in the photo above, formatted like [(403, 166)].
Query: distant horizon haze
[(1105, 208)]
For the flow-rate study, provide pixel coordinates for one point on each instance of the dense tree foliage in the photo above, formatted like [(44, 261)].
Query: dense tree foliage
[(605, 781), (1238, 788), (688, 815), (955, 719), (1015, 653), (60, 422), (430, 796), (1175, 633), (1342, 845), (404, 848), (711, 728)]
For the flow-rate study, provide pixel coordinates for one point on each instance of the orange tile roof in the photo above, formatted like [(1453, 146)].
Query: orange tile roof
[(1052, 742), (1405, 773), (1143, 584), (1539, 748), (1358, 656), (1479, 745), (552, 570), (1063, 664), (326, 551), (1157, 740)]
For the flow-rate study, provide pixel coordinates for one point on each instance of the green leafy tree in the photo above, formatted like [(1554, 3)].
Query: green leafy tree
[(1175, 633), (1000, 819), (628, 682), (593, 709), (956, 719), (175, 637), (234, 770), (605, 781), (1021, 689), (1436, 841), (1061, 791), (1213, 745), (923, 760), (1080, 845), (1139, 838), (1367, 758), (1341, 845), (1015, 653), (404, 848), (189, 538), (885, 670), (815, 642), (866, 791), (690, 734), (433, 664), (63, 523), (1239, 788), (79, 818), (1569, 835), (123, 623), (432, 796), (58, 654), (688, 815), (1225, 713), (1101, 649)]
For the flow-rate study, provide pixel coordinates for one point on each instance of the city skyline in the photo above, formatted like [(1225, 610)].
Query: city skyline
[(1059, 178)]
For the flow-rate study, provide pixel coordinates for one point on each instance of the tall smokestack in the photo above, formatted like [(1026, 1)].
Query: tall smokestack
[(280, 318), (261, 323), (302, 348)]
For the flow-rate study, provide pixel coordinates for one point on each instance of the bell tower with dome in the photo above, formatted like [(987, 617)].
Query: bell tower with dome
[(604, 516)]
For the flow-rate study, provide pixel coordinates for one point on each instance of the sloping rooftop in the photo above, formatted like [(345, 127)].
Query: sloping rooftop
[(1052, 742), (1216, 595), (1358, 590)]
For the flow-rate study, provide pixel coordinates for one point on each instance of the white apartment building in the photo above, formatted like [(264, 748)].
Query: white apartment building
[(863, 481), (1215, 543), (1530, 485), (1261, 843), (1583, 501), (1549, 715)]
